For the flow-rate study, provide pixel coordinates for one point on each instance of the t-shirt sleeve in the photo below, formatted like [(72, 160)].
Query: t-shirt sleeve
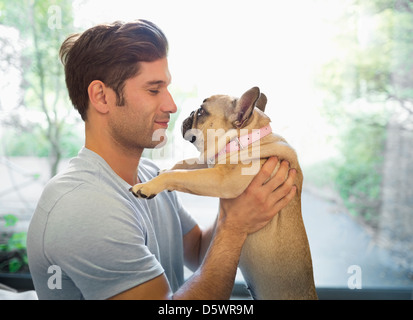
[(105, 247)]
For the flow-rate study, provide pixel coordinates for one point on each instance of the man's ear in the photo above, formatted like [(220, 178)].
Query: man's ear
[(245, 105), (97, 96)]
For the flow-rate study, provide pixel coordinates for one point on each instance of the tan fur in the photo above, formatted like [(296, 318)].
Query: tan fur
[(275, 261)]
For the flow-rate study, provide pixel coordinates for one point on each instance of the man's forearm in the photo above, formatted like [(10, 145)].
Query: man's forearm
[(214, 279), (207, 236)]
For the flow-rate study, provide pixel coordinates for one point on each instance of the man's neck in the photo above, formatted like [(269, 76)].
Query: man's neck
[(123, 162)]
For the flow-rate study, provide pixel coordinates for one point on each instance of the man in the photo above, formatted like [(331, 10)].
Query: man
[(106, 243)]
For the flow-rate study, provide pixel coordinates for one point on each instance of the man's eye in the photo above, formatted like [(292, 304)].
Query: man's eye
[(154, 92)]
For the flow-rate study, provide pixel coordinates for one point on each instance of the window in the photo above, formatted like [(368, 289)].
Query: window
[(339, 81)]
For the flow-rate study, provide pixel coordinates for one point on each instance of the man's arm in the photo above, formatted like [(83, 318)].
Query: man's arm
[(237, 218)]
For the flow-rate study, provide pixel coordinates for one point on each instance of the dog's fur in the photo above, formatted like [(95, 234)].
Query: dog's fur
[(275, 261)]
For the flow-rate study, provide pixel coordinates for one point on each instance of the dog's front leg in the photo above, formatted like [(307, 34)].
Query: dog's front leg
[(189, 164), (213, 182)]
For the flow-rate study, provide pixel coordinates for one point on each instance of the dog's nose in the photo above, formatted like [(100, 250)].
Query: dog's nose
[(189, 136)]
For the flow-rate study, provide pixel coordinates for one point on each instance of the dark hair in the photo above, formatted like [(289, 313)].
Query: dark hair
[(110, 53)]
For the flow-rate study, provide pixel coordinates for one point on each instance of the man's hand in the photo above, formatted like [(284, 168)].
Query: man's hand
[(261, 201)]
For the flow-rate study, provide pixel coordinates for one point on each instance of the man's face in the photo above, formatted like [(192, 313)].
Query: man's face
[(147, 109)]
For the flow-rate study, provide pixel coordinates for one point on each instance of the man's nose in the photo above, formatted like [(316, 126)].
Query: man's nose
[(168, 105)]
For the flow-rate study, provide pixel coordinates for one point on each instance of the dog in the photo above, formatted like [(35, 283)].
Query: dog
[(234, 138)]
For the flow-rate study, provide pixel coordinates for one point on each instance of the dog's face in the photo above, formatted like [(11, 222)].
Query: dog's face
[(222, 113)]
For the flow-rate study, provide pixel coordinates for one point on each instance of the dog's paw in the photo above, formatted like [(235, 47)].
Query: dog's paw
[(142, 190)]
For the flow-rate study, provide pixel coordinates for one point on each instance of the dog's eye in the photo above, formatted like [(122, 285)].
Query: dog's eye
[(201, 112)]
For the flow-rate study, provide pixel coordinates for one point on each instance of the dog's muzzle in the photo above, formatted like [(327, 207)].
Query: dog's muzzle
[(186, 128)]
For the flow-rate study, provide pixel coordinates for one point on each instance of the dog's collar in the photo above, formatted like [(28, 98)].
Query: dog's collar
[(242, 142)]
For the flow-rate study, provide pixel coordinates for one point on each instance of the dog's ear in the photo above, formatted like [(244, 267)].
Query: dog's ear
[(245, 105), (261, 102)]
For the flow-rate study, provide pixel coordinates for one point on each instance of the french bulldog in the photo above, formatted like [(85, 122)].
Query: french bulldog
[(234, 138)]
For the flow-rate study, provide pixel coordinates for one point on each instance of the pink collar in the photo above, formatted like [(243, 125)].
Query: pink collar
[(240, 143)]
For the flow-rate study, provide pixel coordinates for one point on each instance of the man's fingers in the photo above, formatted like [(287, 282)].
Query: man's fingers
[(284, 189), (280, 177), (265, 172), (284, 201), (280, 185)]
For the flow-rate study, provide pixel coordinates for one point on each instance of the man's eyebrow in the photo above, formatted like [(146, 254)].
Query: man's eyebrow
[(155, 83)]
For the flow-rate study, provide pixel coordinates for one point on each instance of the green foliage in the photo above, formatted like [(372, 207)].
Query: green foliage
[(43, 25), (43, 35), (13, 250), (35, 144), (10, 220), (373, 65), (374, 44), (358, 172), (25, 143)]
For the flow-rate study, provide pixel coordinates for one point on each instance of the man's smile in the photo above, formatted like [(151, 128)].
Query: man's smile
[(162, 123)]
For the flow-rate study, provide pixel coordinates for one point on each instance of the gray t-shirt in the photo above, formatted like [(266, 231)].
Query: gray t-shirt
[(103, 240)]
